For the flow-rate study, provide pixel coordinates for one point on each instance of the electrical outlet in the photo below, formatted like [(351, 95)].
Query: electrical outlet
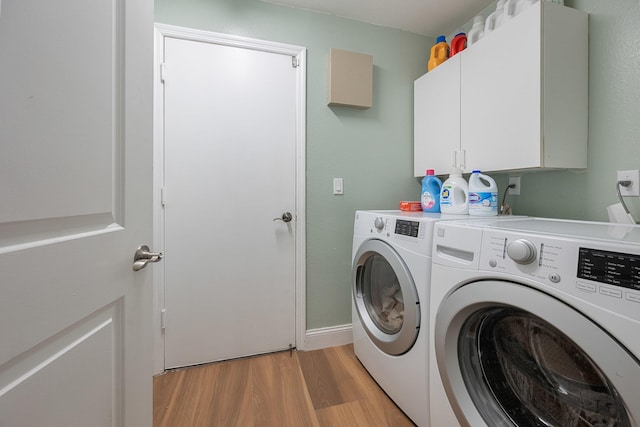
[(634, 177), (515, 191)]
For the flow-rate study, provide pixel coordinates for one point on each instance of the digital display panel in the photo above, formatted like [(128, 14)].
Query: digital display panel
[(612, 268), (407, 228)]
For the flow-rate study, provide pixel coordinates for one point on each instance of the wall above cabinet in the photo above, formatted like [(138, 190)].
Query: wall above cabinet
[(517, 100)]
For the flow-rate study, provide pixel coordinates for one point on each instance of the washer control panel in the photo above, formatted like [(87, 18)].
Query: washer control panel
[(605, 273), (611, 268)]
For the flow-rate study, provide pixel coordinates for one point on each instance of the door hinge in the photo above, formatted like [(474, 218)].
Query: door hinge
[(163, 195), (163, 72), (294, 62), (163, 319)]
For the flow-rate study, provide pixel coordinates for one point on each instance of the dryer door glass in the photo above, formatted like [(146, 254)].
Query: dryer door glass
[(383, 298), (537, 375)]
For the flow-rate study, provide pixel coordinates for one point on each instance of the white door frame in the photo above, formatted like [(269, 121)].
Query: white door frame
[(298, 54)]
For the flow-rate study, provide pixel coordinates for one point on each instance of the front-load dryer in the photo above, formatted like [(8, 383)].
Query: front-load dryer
[(391, 271), (535, 322)]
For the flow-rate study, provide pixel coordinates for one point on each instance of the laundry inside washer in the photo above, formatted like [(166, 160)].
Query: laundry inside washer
[(537, 375)]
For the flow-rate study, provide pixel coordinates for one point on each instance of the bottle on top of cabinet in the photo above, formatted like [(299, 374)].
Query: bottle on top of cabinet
[(515, 7), (511, 9), (439, 53), (495, 19), (477, 30), (458, 44)]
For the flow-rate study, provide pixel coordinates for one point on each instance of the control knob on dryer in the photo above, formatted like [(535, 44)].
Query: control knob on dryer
[(379, 223), (522, 251)]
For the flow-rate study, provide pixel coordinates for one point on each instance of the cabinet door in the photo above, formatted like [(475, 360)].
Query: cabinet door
[(501, 97), (566, 86), (437, 118)]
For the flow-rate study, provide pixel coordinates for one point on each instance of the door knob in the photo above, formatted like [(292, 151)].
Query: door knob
[(286, 217), (144, 256)]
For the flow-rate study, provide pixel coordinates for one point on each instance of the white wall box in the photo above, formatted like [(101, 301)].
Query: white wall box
[(517, 100)]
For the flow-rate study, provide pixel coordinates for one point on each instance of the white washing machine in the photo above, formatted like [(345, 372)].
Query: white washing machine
[(391, 271), (535, 322)]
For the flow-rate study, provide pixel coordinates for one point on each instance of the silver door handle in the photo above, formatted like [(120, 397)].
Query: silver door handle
[(286, 217), (144, 256)]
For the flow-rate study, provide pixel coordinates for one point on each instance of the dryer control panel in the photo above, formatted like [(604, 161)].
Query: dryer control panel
[(409, 230)]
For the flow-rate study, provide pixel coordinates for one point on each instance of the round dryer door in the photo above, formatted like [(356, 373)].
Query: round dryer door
[(510, 355), (386, 298)]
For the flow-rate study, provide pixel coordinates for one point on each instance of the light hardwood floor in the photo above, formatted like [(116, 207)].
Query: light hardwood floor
[(327, 387)]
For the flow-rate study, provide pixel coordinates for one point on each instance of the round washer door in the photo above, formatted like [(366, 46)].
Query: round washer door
[(510, 355), (385, 297)]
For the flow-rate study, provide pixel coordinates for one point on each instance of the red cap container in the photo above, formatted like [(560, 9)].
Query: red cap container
[(458, 44)]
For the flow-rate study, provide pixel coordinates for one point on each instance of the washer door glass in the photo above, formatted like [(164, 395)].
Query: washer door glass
[(385, 297), (512, 355), (538, 376)]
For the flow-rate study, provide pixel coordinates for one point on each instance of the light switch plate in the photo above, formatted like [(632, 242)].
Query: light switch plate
[(338, 186)]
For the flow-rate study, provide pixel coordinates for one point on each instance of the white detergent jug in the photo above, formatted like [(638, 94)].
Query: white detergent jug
[(476, 31), (483, 195), (495, 19), (453, 197), (512, 8), (515, 7)]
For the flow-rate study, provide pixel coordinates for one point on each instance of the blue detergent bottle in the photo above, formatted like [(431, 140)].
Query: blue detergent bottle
[(431, 186)]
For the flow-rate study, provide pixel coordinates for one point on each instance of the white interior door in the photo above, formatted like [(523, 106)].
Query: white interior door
[(75, 202), (230, 126)]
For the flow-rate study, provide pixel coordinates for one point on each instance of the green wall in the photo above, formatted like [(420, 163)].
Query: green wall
[(371, 149)]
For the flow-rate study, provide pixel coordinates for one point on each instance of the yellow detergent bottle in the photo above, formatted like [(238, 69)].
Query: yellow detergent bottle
[(439, 53)]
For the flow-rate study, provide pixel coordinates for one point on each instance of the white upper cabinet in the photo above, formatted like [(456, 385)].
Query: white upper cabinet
[(516, 100), (437, 118)]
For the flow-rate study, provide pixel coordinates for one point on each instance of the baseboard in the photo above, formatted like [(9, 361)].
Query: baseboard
[(332, 336)]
